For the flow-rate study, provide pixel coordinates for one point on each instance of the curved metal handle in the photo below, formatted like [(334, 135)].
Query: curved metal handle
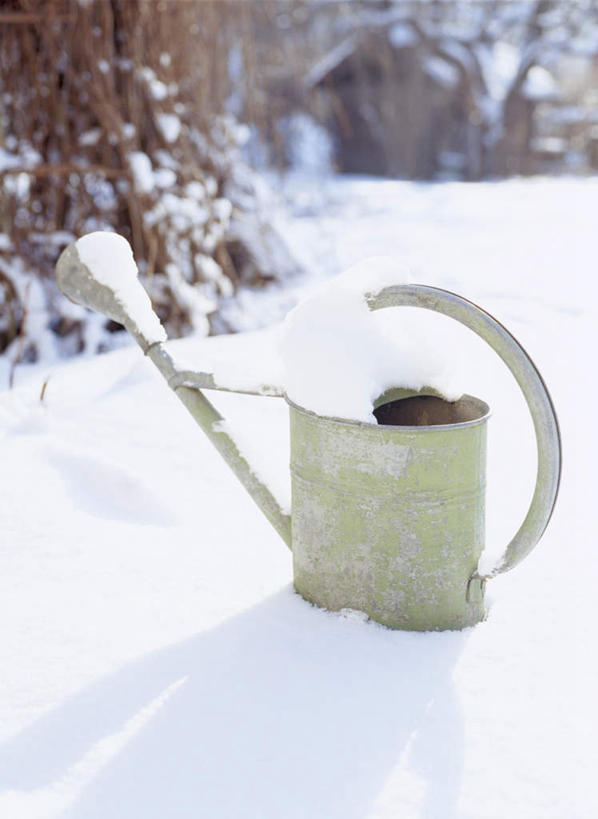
[(530, 381)]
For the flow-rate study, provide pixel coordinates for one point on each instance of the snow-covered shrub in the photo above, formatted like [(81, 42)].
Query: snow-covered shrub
[(113, 117)]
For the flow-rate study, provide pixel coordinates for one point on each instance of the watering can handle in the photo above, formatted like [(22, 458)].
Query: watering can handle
[(533, 388)]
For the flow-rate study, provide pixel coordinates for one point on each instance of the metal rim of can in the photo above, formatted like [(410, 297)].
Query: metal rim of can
[(420, 428)]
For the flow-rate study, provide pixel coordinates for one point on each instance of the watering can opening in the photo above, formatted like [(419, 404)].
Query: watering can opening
[(431, 410)]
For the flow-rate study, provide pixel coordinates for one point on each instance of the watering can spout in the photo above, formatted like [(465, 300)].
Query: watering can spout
[(82, 287), (109, 294)]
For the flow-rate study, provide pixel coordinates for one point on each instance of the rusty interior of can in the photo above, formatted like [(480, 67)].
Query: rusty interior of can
[(428, 410)]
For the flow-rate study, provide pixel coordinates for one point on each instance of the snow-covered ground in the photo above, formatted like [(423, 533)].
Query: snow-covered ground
[(155, 659)]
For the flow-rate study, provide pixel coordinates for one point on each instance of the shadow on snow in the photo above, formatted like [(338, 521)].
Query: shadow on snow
[(283, 710)]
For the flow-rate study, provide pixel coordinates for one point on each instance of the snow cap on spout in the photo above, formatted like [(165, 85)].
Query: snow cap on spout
[(98, 271)]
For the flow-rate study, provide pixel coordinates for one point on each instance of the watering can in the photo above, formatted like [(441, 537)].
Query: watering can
[(387, 517)]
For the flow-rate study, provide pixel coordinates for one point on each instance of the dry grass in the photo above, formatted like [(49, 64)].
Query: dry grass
[(85, 86)]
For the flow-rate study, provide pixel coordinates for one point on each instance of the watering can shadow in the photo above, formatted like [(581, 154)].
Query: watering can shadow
[(387, 517)]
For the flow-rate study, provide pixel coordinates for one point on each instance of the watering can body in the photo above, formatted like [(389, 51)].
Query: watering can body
[(387, 518)]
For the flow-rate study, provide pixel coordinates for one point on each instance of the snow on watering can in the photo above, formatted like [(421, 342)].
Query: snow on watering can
[(387, 517)]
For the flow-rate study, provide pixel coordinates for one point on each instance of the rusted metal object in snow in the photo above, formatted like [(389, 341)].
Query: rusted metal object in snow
[(388, 517)]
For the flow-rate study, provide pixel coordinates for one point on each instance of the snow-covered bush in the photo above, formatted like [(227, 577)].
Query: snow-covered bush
[(113, 116)]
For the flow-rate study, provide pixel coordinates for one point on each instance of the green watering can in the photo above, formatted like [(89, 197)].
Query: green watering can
[(387, 518)]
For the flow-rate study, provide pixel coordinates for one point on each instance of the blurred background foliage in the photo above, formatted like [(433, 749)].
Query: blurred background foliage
[(160, 118)]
